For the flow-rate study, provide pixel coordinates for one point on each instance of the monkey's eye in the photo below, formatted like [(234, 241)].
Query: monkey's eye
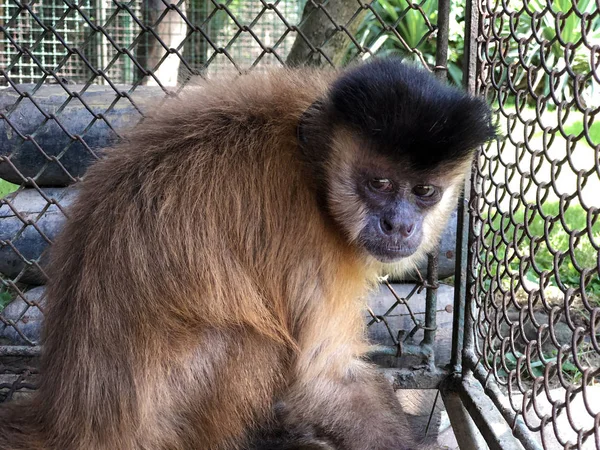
[(423, 190), (381, 185)]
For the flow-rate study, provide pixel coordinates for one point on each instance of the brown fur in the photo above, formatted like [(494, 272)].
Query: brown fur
[(197, 281)]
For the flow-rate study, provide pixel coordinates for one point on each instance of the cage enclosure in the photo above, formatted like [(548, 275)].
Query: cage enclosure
[(503, 318)]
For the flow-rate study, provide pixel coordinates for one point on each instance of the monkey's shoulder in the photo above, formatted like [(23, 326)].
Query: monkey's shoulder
[(272, 98)]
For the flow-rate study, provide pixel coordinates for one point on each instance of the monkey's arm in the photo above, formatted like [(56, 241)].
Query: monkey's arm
[(337, 396), (358, 412)]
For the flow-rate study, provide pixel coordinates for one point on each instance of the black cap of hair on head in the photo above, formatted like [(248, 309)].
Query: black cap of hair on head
[(407, 113)]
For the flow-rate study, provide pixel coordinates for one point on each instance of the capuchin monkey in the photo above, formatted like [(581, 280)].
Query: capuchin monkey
[(208, 289)]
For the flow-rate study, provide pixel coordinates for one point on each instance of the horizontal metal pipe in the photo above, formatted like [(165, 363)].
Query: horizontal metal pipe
[(474, 378)]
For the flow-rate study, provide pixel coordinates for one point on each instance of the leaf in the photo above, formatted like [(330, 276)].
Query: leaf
[(455, 73), (389, 9), (379, 42), (568, 366), (537, 371)]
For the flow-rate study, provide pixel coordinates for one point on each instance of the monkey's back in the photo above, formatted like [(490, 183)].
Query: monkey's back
[(192, 181), (191, 224)]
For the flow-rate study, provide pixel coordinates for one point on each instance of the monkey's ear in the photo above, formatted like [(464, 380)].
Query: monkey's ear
[(310, 122)]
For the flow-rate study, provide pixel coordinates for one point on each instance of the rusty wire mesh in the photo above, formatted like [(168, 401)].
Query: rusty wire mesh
[(74, 74), (534, 254)]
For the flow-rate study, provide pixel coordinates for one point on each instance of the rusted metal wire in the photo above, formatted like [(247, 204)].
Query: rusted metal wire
[(533, 289)]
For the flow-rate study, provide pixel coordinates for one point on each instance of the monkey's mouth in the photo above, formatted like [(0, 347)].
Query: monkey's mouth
[(389, 253)]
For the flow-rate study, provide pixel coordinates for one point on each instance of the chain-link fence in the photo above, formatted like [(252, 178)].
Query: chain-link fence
[(533, 257), (74, 74)]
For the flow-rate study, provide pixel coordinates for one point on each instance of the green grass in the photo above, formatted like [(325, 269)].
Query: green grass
[(576, 128), (537, 241)]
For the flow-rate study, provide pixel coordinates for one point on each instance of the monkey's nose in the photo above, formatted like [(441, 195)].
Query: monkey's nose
[(390, 227)]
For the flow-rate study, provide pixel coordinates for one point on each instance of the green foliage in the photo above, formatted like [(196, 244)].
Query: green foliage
[(6, 188), (413, 32), (406, 26), (568, 28), (5, 298), (518, 362), (538, 34), (538, 241)]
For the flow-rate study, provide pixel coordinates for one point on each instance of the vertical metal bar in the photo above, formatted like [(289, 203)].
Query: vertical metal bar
[(441, 53), (103, 44), (470, 57), (460, 278), (431, 299), (440, 69), (460, 328), (470, 83)]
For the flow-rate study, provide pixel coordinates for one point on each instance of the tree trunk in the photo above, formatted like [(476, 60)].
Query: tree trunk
[(321, 32)]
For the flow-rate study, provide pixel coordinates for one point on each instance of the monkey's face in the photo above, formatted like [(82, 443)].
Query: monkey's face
[(388, 147), (395, 209), (387, 208)]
